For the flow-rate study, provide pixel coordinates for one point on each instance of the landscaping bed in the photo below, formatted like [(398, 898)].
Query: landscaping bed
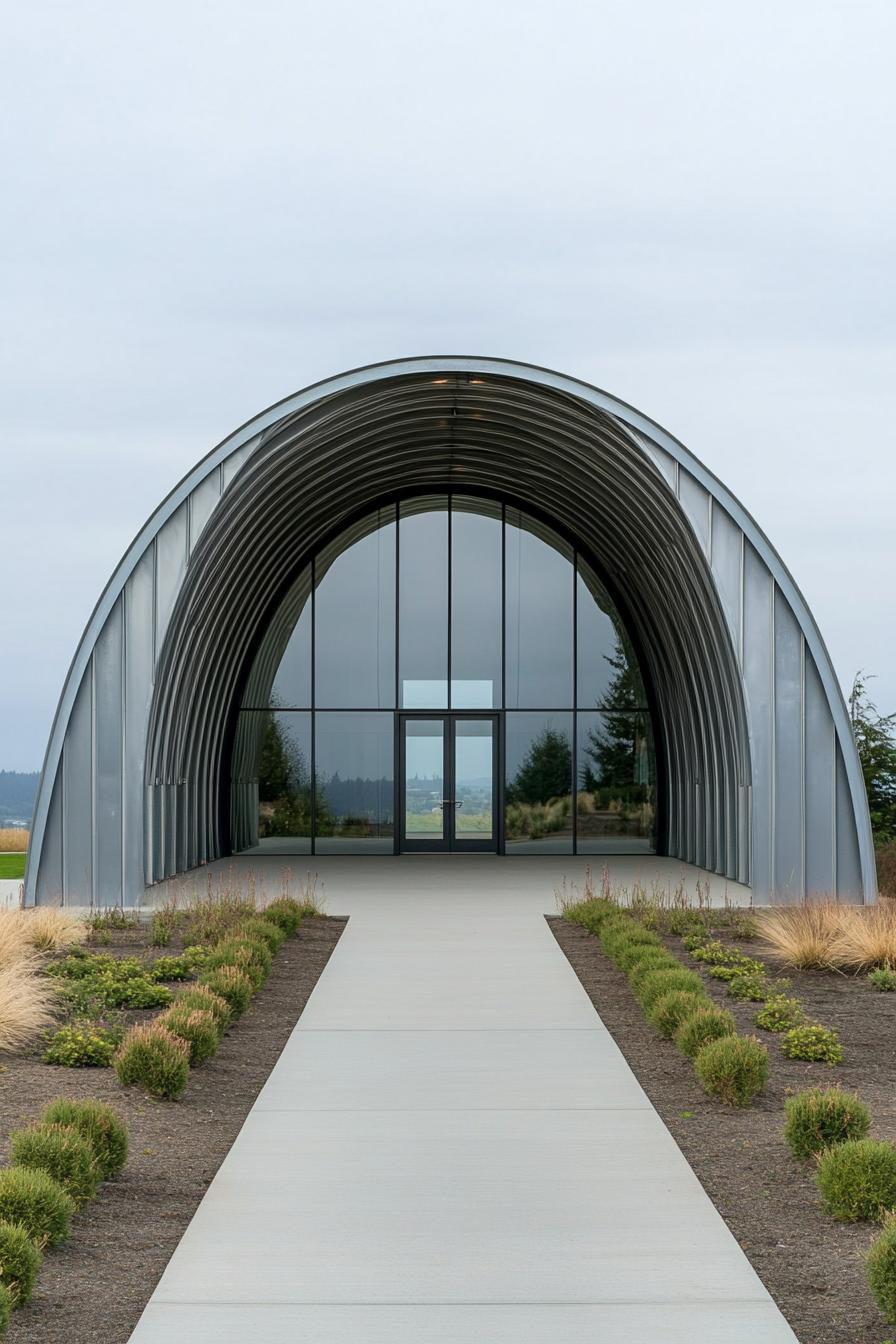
[(812, 1265), (94, 1286)]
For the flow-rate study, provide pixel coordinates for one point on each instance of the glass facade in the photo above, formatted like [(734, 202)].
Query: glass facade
[(445, 607)]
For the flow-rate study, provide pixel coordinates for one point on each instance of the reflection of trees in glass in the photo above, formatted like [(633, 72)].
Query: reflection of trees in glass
[(625, 690), (284, 784), (539, 795)]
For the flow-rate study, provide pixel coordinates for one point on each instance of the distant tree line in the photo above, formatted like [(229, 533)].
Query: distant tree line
[(17, 795)]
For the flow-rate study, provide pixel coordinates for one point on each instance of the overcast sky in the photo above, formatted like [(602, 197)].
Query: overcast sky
[(207, 206)]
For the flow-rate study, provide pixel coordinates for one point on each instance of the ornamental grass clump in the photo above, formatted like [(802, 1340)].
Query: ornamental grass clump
[(880, 1268), (231, 984), (705, 1025), (733, 1068), (20, 1262), (780, 1013), (32, 1199), (6, 1306), (195, 1026), (802, 935), (264, 931), (857, 1180), (657, 983), (83, 1046), (668, 1013), (99, 1124), (866, 937), (821, 1117), (285, 912), (27, 1001), (590, 914), (252, 958), (812, 1042), (207, 1001), (620, 936), (62, 1153), (650, 959), (155, 1059)]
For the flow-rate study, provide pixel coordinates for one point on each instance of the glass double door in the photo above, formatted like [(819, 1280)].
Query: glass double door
[(448, 782)]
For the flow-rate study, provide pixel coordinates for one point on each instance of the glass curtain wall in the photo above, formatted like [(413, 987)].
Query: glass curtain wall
[(444, 604)]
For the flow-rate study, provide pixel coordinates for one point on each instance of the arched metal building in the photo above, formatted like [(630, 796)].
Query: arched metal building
[(462, 577)]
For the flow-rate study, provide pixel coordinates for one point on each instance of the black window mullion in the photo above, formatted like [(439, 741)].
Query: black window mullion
[(313, 704)]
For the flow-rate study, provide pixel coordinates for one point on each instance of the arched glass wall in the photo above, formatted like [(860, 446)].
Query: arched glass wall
[(445, 655)]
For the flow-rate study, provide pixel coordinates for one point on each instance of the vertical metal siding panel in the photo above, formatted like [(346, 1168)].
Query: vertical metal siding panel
[(727, 546), (77, 850), (171, 564), (758, 676), (695, 502), (108, 731), (49, 877), (788, 763), (820, 767), (849, 866), (138, 682), (202, 505)]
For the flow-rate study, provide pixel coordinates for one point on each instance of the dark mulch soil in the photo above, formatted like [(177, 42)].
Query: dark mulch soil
[(92, 1289), (811, 1265)]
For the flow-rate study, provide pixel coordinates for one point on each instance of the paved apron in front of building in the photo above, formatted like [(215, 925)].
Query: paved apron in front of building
[(451, 1149)]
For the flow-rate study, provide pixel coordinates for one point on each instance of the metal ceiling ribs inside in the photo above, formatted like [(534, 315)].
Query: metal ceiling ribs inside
[(760, 777)]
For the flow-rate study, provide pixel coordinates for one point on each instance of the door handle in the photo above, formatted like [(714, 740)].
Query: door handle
[(458, 802)]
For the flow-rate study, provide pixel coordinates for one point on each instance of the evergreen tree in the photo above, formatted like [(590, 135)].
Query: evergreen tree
[(875, 736), (546, 770)]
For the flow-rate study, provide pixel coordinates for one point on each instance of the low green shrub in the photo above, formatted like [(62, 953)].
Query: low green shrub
[(83, 1046), (821, 1117), (196, 1026), (171, 968), (780, 1013), (207, 1001), (657, 983), (669, 1011), (265, 931), (857, 1179), (698, 938), (6, 1306), (748, 987), (880, 1268), (714, 953), (883, 979), (62, 1153), (99, 1124), (707, 1024), (139, 992), (154, 1059), (20, 1261), (650, 959), (252, 958), (813, 1042), (288, 914), (232, 985), (733, 1068), (31, 1198), (624, 933)]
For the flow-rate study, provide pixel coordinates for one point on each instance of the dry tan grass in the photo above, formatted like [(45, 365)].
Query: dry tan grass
[(802, 935), (867, 937), (14, 944), (50, 929), (13, 840), (27, 1001)]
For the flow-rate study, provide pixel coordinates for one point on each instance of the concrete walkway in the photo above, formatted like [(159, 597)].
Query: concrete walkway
[(452, 1150)]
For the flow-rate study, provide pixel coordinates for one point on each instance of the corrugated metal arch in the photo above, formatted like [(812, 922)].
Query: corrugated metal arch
[(739, 668)]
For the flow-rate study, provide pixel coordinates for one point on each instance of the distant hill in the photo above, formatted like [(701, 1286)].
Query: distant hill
[(17, 795)]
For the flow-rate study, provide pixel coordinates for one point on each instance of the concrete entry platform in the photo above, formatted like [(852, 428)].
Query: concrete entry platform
[(451, 1148)]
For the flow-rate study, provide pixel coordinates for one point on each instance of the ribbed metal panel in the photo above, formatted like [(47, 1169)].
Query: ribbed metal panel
[(747, 706)]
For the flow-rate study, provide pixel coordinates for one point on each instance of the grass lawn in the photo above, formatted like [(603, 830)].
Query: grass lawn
[(12, 865)]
